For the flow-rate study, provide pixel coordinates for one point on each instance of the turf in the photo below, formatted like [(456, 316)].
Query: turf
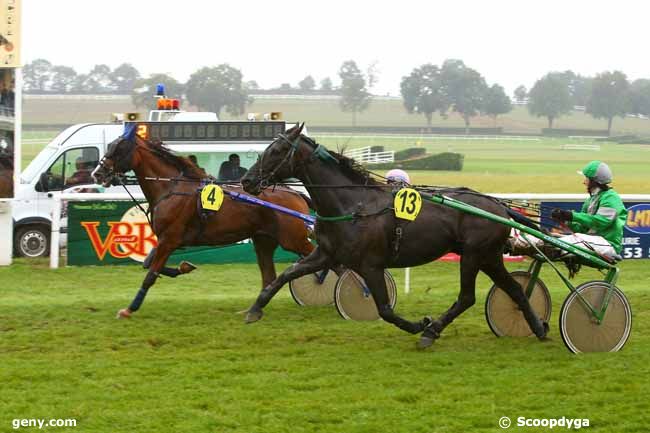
[(501, 165), (187, 363)]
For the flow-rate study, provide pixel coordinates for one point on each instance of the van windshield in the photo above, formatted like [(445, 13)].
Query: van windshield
[(34, 168)]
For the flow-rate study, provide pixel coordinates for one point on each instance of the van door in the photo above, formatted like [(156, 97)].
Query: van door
[(71, 168)]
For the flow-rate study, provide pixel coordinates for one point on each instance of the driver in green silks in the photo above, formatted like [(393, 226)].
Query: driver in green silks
[(599, 224)]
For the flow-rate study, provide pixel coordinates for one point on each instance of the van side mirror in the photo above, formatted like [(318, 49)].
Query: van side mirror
[(43, 184)]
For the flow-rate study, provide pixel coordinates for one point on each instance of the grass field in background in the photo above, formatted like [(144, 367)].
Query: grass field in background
[(187, 363), (503, 165), (518, 165), (326, 112)]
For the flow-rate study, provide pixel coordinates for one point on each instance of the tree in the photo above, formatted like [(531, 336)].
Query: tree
[(609, 97), (326, 85), (355, 97), (521, 93), (550, 97), (215, 88), (640, 97), (579, 88), (124, 78), (422, 92), (37, 76), (465, 88), (98, 80), (63, 79), (252, 85), (145, 89), (307, 84), (285, 88), (496, 102), (372, 74)]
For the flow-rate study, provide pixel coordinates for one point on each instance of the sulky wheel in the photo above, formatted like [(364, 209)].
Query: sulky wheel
[(354, 303), (504, 316), (580, 330), (315, 289)]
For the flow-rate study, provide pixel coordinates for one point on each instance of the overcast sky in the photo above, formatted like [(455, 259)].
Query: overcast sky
[(510, 42)]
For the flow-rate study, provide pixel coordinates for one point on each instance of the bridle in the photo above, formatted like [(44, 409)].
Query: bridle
[(319, 152), (114, 171)]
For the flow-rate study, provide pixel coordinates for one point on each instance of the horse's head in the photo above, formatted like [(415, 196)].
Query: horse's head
[(118, 158), (283, 159)]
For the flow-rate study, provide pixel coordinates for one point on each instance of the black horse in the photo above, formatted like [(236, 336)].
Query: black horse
[(374, 239)]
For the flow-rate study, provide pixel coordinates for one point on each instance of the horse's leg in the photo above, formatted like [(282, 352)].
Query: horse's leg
[(375, 281), (157, 263), (184, 268), (314, 262), (264, 248), (469, 267), (496, 270)]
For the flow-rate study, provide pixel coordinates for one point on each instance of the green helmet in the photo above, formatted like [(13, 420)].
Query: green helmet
[(597, 171)]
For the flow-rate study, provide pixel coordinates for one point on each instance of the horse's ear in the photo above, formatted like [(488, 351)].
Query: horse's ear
[(295, 131), (302, 125)]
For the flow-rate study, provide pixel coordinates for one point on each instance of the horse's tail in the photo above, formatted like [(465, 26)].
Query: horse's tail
[(522, 219)]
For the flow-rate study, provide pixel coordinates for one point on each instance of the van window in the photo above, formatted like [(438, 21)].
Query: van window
[(212, 162), (74, 167)]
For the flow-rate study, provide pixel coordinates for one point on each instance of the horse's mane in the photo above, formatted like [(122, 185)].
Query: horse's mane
[(187, 167), (351, 168)]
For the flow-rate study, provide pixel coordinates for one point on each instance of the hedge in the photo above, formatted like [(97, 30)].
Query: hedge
[(409, 153), (448, 161)]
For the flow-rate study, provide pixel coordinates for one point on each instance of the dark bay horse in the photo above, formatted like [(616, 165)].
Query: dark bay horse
[(375, 239), (177, 220)]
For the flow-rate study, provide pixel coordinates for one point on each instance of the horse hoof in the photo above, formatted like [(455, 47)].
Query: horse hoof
[(186, 267), (544, 337), (253, 316), (424, 342), (124, 313)]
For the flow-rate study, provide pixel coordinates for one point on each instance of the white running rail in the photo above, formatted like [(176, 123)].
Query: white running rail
[(365, 156)]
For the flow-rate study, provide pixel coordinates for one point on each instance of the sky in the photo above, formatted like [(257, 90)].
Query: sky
[(273, 42)]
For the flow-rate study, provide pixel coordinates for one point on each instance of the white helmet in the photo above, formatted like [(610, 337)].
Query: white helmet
[(398, 175)]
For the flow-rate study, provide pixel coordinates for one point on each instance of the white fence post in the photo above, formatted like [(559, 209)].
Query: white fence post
[(56, 233)]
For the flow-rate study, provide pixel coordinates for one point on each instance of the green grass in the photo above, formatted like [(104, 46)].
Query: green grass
[(500, 165), (187, 363), (515, 165)]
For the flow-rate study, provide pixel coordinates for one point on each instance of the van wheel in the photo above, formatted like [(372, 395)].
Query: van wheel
[(32, 241)]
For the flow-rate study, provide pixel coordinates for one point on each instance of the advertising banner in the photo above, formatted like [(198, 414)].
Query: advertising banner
[(117, 232), (636, 234), (10, 33)]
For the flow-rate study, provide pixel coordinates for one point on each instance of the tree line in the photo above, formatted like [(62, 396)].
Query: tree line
[(428, 89)]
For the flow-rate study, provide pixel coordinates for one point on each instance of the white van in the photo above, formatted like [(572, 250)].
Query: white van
[(64, 164)]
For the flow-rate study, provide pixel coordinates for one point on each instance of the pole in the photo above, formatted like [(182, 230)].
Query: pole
[(407, 280), (56, 232)]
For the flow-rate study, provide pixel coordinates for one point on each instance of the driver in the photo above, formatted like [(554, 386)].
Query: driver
[(600, 222), (231, 170), (396, 176), (81, 175)]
